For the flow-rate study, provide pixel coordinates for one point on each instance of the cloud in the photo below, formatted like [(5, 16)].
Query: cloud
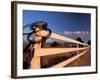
[(85, 35), (76, 32)]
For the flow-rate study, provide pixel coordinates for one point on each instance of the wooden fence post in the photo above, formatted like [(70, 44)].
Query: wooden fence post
[(35, 62), (77, 47)]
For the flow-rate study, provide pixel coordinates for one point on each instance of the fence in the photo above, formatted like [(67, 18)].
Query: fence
[(35, 62)]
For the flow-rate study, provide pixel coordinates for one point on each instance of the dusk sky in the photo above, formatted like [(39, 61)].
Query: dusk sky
[(72, 25)]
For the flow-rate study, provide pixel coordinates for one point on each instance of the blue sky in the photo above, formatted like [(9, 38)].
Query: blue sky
[(68, 24)]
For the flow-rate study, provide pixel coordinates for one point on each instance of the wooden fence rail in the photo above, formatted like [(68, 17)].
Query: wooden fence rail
[(53, 51)]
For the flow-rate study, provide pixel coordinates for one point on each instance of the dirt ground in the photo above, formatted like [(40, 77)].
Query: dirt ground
[(84, 60)]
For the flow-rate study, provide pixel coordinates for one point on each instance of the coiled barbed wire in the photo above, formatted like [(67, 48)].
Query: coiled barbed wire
[(42, 25)]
